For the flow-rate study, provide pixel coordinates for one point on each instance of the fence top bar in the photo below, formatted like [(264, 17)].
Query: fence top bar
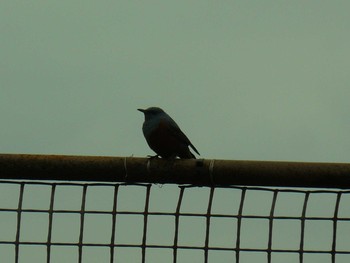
[(199, 172)]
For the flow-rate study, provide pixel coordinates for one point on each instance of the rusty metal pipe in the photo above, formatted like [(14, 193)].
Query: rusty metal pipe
[(199, 172)]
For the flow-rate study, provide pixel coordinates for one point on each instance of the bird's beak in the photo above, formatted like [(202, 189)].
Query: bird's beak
[(142, 110)]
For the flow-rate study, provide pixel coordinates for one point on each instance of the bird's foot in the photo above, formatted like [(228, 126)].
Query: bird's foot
[(153, 156)]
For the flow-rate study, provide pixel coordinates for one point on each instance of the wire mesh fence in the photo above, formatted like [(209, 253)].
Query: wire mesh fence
[(109, 222)]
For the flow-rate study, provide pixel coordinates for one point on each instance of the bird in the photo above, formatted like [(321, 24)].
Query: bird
[(164, 136)]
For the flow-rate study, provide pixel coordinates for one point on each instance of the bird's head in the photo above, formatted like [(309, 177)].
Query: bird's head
[(151, 112)]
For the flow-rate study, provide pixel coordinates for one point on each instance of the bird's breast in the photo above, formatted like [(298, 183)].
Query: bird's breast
[(162, 140)]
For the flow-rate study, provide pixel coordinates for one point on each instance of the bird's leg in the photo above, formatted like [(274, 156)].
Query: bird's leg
[(172, 157)]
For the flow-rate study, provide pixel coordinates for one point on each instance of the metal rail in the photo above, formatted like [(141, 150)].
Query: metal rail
[(199, 172)]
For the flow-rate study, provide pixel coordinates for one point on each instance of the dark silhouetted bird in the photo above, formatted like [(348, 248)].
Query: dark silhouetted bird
[(164, 136)]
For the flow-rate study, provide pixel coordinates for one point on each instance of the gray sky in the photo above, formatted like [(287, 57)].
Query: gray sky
[(255, 80), (244, 79)]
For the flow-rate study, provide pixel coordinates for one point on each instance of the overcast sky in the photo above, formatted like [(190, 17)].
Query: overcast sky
[(260, 80), (252, 80)]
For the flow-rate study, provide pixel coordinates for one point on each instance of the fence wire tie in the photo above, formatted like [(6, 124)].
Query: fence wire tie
[(148, 166), (211, 171), (125, 167)]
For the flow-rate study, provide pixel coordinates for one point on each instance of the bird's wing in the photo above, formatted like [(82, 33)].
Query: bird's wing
[(176, 131)]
